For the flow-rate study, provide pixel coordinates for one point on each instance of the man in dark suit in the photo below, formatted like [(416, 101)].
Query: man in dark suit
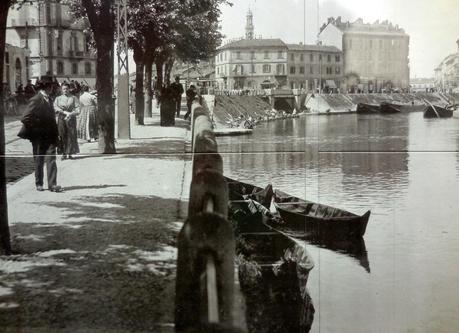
[(40, 127), (177, 88)]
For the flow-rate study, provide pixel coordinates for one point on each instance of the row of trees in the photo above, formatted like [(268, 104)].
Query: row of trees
[(159, 32)]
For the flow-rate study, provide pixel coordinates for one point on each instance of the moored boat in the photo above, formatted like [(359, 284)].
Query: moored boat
[(435, 111), (365, 108), (238, 190), (319, 220)]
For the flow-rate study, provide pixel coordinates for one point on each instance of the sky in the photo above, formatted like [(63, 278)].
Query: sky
[(433, 25)]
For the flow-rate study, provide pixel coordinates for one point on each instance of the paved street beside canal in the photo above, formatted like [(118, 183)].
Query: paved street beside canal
[(100, 256)]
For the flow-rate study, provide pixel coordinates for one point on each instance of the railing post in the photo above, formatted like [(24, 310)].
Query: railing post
[(205, 262)]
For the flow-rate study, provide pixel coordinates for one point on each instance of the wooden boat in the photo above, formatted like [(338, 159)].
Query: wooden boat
[(387, 108), (319, 220), (239, 191), (435, 111), (364, 108), (273, 271)]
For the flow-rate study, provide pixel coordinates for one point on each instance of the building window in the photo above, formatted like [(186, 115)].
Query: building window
[(301, 57), (350, 43), (292, 57), (328, 58), (380, 43), (238, 55), (292, 70), (242, 69), (280, 69), (320, 57), (221, 56), (253, 68), (279, 55), (75, 68), (301, 70), (60, 67), (266, 68), (337, 58), (87, 68), (7, 57), (337, 70), (266, 54), (218, 70), (311, 57), (252, 54), (311, 70)]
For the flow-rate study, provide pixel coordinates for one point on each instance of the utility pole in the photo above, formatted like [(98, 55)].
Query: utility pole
[(124, 130)]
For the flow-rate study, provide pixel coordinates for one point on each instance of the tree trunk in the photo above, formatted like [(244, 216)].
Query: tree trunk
[(104, 86), (139, 58), (102, 25), (5, 242), (148, 83), (159, 73), (168, 68)]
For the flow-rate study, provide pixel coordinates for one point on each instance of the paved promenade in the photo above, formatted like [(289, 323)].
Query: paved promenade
[(99, 257)]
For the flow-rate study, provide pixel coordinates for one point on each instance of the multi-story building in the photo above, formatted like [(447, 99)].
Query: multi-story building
[(447, 72), (15, 67), (375, 55), (58, 46), (313, 67), (251, 62)]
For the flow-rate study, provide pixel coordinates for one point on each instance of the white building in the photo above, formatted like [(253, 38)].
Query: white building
[(58, 46), (15, 67), (375, 54)]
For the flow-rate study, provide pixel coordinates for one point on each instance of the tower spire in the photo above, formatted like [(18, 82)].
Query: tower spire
[(249, 26)]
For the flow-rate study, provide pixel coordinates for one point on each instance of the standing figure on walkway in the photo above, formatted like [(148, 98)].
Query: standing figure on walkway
[(39, 126), (177, 89), (191, 93), (87, 125), (67, 107)]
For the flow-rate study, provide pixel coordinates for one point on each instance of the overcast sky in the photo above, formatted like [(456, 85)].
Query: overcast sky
[(433, 25)]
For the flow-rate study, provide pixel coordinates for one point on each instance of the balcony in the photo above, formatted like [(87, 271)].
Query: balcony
[(21, 22), (78, 54)]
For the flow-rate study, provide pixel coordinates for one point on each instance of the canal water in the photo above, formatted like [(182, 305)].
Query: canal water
[(405, 169)]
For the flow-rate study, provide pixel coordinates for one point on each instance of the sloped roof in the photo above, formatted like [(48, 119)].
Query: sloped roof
[(313, 47), (254, 43)]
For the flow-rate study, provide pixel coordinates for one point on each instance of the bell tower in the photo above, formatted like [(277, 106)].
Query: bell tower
[(249, 26)]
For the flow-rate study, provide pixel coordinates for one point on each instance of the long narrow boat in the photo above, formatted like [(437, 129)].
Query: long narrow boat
[(387, 108), (435, 111), (365, 108), (238, 190), (319, 220)]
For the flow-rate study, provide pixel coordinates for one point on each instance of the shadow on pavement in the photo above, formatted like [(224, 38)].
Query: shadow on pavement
[(113, 269)]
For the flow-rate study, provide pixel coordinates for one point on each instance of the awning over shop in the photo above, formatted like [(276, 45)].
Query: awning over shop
[(330, 84)]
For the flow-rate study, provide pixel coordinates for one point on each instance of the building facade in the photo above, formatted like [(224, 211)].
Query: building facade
[(375, 55), (313, 67), (15, 67), (447, 73), (58, 46), (251, 64)]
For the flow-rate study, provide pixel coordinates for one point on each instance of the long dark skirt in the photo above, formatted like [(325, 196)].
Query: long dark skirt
[(68, 141)]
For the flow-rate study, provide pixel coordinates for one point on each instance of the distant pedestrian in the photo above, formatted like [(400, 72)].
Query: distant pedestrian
[(39, 126), (67, 108), (86, 124), (177, 89), (191, 93)]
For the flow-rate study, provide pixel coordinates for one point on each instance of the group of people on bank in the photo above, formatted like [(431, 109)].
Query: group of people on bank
[(76, 118)]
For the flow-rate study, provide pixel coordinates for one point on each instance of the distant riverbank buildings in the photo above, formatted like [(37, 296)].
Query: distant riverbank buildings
[(375, 55), (447, 73), (56, 45), (257, 63)]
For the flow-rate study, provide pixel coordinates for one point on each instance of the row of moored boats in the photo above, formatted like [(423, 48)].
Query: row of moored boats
[(430, 110)]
